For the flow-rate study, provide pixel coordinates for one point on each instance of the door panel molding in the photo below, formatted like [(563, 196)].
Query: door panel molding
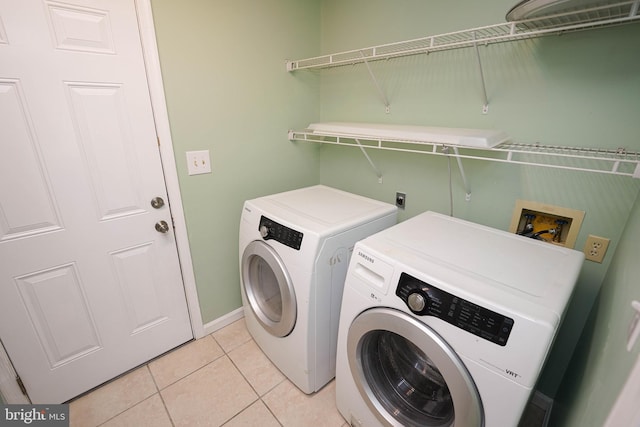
[(55, 301), (134, 268), (108, 150), (19, 135), (80, 29)]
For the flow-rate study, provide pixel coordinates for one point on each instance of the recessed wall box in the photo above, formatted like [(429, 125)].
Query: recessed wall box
[(552, 224)]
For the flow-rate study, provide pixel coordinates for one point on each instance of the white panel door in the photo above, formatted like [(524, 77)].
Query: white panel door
[(88, 287)]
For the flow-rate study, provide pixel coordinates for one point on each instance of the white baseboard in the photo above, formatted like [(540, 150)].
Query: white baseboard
[(223, 321)]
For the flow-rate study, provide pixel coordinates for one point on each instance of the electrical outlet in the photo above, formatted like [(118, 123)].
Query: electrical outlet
[(401, 200), (595, 248), (198, 162)]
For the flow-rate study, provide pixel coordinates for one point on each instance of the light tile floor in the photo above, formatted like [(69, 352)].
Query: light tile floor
[(222, 379)]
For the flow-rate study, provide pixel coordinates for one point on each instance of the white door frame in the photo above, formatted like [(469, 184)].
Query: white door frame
[(8, 387), (161, 116), (625, 411)]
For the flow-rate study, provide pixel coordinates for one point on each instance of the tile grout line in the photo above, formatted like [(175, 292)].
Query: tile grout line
[(259, 398), (158, 390), (164, 404), (250, 385), (188, 373), (143, 400)]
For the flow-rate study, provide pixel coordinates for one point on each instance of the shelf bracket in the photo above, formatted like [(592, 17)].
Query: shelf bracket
[(485, 105), (373, 165), (376, 84), (465, 182)]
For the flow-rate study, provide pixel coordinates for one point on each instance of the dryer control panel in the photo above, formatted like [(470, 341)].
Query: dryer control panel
[(424, 299), (270, 229)]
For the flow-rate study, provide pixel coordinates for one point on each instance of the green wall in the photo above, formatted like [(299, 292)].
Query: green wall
[(579, 89), (223, 65), (601, 363), (228, 91)]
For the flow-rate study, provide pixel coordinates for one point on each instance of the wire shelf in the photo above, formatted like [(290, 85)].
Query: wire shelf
[(620, 161), (593, 17), (617, 162)]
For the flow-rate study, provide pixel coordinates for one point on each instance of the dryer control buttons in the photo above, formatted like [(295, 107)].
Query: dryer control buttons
[(424, 299), (270, 229)]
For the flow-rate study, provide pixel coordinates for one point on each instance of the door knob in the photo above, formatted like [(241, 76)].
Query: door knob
[(157, 202), (162, 226)]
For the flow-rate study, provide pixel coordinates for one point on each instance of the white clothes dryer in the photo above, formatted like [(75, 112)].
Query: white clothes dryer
[(448, 323), (295, 249)]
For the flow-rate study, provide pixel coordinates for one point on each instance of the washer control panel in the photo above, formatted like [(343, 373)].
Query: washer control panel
[(424, 299), (270, 229)]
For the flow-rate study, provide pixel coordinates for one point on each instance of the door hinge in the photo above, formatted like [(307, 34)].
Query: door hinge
[(23, 389)]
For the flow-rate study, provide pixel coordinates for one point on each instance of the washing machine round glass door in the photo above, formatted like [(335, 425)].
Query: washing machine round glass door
[(408, 375), (268, 288)]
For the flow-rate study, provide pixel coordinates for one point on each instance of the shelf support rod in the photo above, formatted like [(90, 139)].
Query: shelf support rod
[(634, 8), (373, 166), (375, 82), (485, 105), (465, 182)]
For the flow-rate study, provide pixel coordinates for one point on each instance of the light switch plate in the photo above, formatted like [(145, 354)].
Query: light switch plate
[(198, 162)]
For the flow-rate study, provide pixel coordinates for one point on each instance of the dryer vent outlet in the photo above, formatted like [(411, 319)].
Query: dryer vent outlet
[(401, 200)]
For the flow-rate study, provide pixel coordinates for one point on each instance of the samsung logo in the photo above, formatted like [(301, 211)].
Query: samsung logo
[(366, 257)]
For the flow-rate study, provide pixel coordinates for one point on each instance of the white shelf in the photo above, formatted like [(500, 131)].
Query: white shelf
[(615, 162), (607, 161), (594, 17), (478, 138)]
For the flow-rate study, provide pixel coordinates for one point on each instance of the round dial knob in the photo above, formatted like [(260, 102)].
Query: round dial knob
[(416, 301), (264, 231)]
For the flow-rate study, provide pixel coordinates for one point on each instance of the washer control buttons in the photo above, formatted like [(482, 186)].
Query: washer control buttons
[(424, 299)]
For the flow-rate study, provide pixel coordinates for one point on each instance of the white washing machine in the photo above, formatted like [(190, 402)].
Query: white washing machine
[(295, 249), (448, 323)]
